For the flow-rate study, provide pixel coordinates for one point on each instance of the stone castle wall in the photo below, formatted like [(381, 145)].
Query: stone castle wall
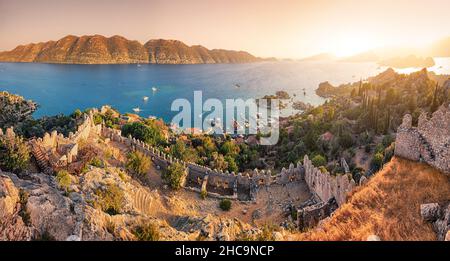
[(55, 151), (244, 185), (428, 142), (327, 186), (217, 183)]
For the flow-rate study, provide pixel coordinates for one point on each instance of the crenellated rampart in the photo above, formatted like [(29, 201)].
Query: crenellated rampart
[(54, 151)]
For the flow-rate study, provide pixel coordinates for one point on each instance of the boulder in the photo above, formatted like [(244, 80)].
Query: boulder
[(363, 180), (9, 196), (430, 212), (439, 217), (373, 238), (277, 236)]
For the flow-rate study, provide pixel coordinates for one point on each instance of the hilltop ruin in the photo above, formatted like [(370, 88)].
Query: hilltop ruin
[(428, 142)]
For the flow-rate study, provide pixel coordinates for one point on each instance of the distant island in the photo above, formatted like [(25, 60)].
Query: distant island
[(98, 49), (396, 57), (319, 57), (408, 61)]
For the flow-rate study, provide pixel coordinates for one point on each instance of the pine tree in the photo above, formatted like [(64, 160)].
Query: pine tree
[(435, 103), (360, 88), (388, 121)]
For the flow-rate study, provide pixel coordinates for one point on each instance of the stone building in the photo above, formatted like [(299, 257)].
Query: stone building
[(428, 142)]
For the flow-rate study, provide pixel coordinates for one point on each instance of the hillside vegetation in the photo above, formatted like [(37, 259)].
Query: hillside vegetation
[(387, 206)]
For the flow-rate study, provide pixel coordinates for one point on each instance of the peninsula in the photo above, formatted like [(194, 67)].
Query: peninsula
[(98, 49)]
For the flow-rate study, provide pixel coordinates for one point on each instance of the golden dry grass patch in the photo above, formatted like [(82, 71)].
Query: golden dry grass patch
[(387, 206)]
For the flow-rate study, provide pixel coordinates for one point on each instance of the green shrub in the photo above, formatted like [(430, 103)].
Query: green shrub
[(203, 194), (266, 234), (77, 114), (377, 161), (84, 169), (96, 162), (122, 175), (319, 160), (389, 153), (98, 119), (148, 134), (147, 232), (174, 175), (379, 148), (24, 213), (225, 204), (229, 148), (111, 199), (64, 180), (14, 154), (387, 140), (357, 173), (138, 163), (346, 140), (294, 213), (232, 166), (323, 169)]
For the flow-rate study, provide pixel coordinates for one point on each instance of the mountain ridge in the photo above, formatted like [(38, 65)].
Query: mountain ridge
[(98, 49)]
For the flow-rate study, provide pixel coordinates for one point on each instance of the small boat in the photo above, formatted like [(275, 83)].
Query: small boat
[(137, 109), (145, 98), (237, 85), (154, 89), (138, 65)]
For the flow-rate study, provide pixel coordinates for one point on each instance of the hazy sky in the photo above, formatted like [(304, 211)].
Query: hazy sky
[(280, 28)]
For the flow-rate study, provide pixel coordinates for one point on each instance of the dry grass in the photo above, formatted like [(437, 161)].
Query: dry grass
[(387, 206)]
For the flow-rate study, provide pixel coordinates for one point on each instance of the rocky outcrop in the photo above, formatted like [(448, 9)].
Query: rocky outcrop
[(36, 209), (211, 228), (97, 49), (14, 108), (326, 90), (439, 216), (43, 210), (12, 226)]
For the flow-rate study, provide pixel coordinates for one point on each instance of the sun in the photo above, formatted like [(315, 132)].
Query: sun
[(351, 44)]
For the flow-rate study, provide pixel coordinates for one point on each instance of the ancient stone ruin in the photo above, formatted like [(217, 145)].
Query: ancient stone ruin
[(329, 191), (428, 142), (216, 183), (54, 151)]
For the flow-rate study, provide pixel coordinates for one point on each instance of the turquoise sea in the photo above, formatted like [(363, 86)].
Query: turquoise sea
[(59, 88)]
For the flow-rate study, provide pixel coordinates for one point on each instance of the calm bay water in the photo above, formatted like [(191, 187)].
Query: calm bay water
[(64, 88)]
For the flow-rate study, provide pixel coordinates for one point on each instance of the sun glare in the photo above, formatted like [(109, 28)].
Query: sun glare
[(351, 45)]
